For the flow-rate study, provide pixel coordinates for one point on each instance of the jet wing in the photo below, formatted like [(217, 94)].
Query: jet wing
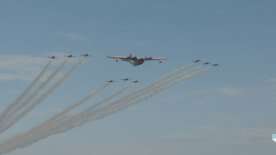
[(161, 60), (117, 57), (152, 58)]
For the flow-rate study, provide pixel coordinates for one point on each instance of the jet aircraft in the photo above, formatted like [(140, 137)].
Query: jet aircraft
[(125, 79), (69, 56), (52, 57), (110, 81), (85, 55), (197, 61)]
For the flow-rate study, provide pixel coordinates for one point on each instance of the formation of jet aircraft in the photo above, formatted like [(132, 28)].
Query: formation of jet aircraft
[(69, 56), (135, 61), (205, 63)]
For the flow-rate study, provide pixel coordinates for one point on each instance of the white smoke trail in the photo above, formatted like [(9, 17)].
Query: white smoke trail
[(31, 104), (83, 117), (165, 80), (9, 120), (61, 128), (108, 99), (125, 102), (51, 125), (53, 121), (162, 80), (35, 91), (13, 106), (78, 104), (41, 86), (91, 114), (55, 127), (57, 120)]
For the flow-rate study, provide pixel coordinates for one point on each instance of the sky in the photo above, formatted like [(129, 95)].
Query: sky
[(230, 110)]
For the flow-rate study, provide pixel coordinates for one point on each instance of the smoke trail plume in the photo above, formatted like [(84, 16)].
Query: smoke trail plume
[(124, 102), (62, 116), (32, 103), (78, 104), (26, 92), (42, 85), (9, 110), (54, 127)]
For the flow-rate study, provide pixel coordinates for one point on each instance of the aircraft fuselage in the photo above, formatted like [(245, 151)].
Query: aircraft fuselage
[(136, 61)]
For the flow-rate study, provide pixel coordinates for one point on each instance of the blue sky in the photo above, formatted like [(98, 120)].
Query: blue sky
[(232, 106)]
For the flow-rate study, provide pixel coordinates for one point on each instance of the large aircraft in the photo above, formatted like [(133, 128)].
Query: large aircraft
[(135, 61)]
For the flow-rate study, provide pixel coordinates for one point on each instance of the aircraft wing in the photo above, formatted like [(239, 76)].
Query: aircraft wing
[(157, 59), (117, 57)]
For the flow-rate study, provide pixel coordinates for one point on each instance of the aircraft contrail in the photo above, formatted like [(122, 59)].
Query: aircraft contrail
[(150, 91), (53, 121), (39, 136), (57, 121), (42, 85), (91, 114), (100, 104), (155, 85), (9, 110), (146, 93), (9, 120), (79, 103), (44, 130), (32, 103)]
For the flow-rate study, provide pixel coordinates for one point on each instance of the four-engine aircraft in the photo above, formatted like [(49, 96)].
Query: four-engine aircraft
[(134, 60)]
